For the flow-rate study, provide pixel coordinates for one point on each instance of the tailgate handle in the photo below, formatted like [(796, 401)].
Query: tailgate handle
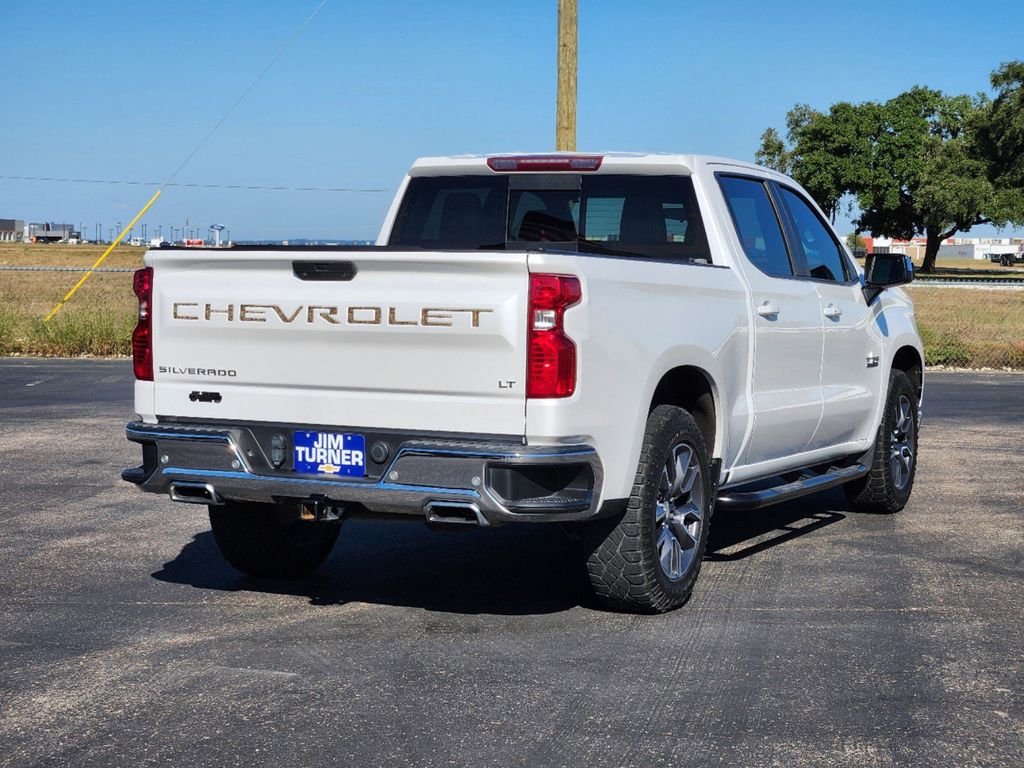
[(324, 270)]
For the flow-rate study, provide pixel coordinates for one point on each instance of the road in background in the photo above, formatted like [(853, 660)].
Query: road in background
[(816, 636)]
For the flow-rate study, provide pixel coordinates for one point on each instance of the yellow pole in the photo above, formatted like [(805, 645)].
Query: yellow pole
[(565, 110), (106, 253)]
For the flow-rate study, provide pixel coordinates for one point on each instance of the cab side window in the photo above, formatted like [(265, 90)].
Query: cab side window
[(821, 253), (757, 225)]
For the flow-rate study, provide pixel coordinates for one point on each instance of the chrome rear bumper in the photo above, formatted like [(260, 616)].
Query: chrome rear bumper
[(211, 464)]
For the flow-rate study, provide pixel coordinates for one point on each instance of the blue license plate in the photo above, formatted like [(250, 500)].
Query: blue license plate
[(330, 453)]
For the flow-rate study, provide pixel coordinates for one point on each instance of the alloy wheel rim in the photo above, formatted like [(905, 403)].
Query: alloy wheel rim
[(679, 511), (901, 453)]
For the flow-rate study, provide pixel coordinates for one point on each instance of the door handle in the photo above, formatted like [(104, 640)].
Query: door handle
[(832, 312), (768, 309)]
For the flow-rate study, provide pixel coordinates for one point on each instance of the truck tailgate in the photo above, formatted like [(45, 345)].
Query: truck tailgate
[(410, 341)]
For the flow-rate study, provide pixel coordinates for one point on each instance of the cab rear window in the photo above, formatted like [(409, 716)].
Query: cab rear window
[(625, 215)]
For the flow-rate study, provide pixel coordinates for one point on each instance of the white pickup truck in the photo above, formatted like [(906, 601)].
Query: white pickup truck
[(620, 343)]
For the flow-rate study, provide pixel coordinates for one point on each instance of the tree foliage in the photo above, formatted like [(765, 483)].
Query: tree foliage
[(855, 242), (922, 163), (823, 152), (1001, 139)]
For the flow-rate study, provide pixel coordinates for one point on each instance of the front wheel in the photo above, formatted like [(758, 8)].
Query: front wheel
[(270, 539), (648, 559), (886, 488)]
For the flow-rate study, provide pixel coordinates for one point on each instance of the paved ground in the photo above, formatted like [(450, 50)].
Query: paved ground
[(816, 636)]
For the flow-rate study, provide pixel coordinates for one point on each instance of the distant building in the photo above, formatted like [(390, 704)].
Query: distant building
[(914, 247), (978, 248), (51, 232), (11, 230)]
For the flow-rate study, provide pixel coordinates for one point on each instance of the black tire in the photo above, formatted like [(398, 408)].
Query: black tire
[(886, 488), (625, 553), (269, 539)]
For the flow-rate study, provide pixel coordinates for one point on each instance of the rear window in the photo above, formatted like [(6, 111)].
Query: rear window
[(453, 213), (643, 216)]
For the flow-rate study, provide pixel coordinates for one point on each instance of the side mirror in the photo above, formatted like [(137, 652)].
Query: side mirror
[(885, 270)]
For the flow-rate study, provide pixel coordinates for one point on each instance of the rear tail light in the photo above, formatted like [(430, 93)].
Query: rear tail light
[(142, 336), (551, 355), (513, 163)]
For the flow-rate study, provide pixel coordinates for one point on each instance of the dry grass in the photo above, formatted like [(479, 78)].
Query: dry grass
[(961, 327), (970, 268), (982, 264), (970, 328), (38, 254), (97, 321)]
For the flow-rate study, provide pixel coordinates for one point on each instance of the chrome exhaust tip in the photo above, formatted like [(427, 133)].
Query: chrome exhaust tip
[(455, 512), (195, 493)]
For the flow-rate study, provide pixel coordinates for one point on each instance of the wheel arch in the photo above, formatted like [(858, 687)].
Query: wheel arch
[(908, 359), (693, 389)]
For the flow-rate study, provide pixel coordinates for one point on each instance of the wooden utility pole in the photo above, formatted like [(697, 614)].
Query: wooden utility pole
[(565, 111)]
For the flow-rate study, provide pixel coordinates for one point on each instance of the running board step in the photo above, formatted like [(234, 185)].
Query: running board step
[(796, 489)]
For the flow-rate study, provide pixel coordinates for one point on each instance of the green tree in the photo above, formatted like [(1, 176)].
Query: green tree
[(918, 164), (926, 176), (773, 152), (1000, 136), (824, 151), (856, 242)]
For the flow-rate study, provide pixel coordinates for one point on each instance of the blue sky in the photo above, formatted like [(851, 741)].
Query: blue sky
[(130, 88)]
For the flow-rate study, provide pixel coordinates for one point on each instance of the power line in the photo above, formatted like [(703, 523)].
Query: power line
[(245, 93), (184, 162), (199, 186)]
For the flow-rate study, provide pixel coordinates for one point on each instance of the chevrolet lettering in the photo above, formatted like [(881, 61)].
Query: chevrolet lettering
[(623, 344), (328, 314)]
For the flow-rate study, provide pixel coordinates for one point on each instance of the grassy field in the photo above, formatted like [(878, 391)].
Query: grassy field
[(967, 328), (976, 269), (971, 268), (963, 328), (98, 321), (36, 254)]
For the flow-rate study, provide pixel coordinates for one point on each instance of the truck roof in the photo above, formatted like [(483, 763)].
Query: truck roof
[(611, 162)]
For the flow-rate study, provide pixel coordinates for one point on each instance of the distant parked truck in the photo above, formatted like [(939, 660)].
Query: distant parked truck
[(1007, 259)]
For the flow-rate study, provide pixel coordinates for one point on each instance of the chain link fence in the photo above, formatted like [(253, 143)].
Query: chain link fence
[(962, 327), (968, 327)]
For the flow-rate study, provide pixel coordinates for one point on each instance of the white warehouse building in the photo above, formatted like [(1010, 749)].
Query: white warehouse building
[(978, 247)]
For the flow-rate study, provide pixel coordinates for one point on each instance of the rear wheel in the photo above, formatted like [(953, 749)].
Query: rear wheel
[(270, 539), (648, 559), (886, 488)]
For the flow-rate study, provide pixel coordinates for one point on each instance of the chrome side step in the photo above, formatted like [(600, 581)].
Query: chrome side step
[(805, 485)]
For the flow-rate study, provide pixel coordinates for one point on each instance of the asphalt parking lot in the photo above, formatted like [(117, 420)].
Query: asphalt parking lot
[(816, 636)]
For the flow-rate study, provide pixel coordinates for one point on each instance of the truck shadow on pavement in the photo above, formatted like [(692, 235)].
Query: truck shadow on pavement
[(513, 570), (736, 535)]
